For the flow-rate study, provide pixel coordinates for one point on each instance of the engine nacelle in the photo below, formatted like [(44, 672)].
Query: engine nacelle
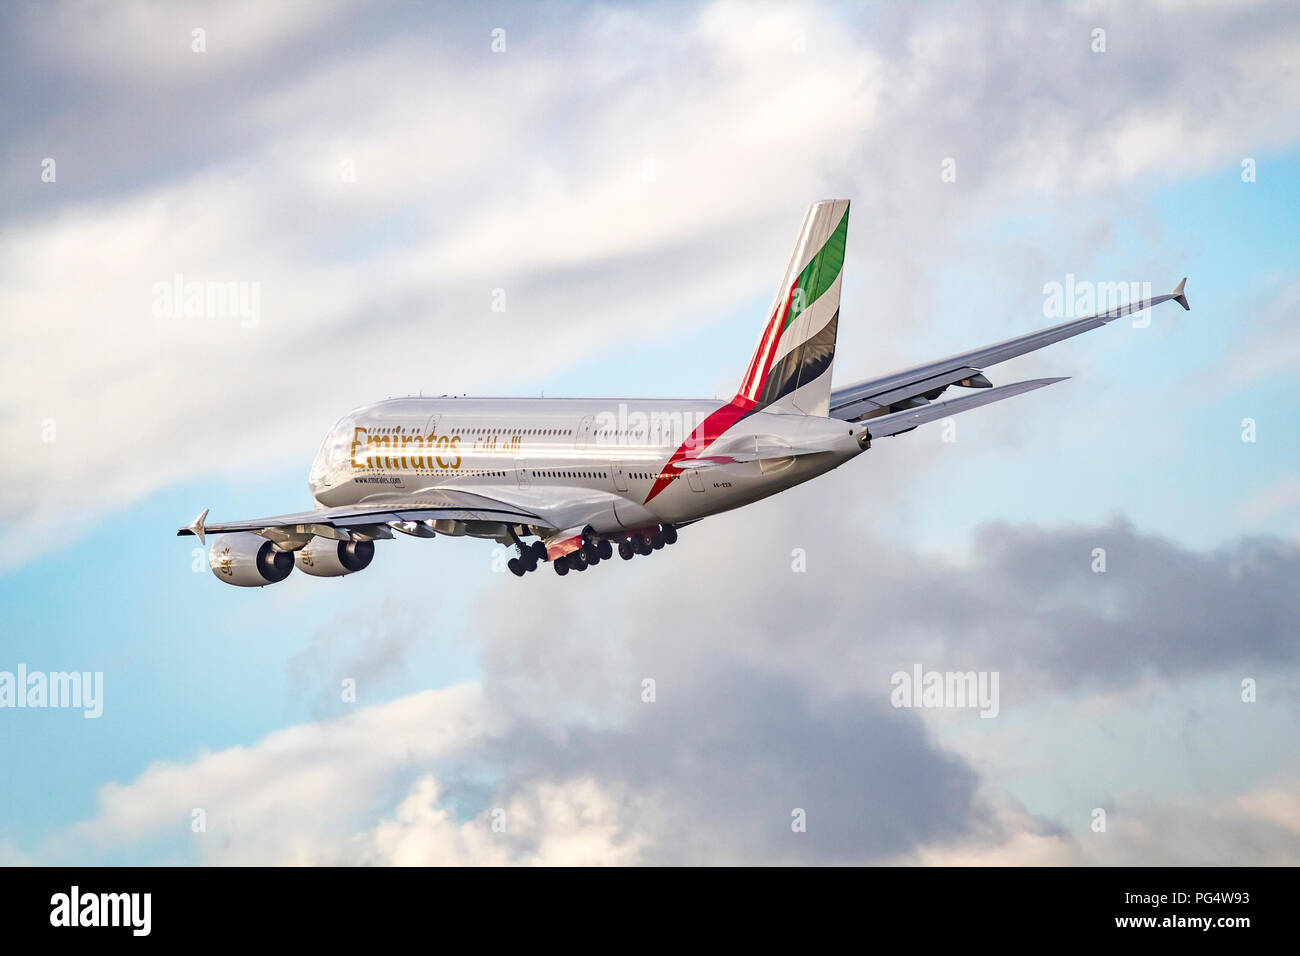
[(247, 560), (327, 558)]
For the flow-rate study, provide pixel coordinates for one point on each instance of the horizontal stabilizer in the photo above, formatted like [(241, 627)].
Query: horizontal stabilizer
[(904, 421)]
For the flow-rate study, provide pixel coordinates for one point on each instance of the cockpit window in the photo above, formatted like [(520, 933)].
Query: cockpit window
[(333, 454)]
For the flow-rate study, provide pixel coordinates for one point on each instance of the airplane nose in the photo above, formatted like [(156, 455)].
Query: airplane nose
[(316, 477)]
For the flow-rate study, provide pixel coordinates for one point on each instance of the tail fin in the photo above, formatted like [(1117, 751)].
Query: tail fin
[(791, 367)]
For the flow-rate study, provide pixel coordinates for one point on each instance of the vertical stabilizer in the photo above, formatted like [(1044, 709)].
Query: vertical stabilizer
[(791, 366)]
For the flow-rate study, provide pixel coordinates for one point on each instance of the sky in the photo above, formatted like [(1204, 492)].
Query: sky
[(627, 180)]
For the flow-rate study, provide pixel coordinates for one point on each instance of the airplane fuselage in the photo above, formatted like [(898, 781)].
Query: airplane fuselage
[(569, 454), (588, 477)]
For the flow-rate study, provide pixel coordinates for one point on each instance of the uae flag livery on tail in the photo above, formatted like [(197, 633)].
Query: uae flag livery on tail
[(790, 370), (791, 367)]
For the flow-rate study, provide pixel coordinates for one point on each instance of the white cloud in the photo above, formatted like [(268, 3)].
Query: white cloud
[(528, 171), (317, 793), (289, 797), (576, 823)]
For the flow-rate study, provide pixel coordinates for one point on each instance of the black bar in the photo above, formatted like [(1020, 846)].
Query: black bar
[(870, 904)]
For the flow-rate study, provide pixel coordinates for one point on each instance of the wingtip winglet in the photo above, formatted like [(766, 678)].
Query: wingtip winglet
[(195, 527), (1179, 297)]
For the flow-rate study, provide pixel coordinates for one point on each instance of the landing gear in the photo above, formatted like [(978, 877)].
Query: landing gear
[(594, 550), (530, 555), (644, 542)]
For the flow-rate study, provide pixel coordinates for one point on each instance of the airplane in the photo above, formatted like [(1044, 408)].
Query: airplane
[(567, 481)]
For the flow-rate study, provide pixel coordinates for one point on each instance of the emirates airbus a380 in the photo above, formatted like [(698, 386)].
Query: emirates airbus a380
[(569, 480)]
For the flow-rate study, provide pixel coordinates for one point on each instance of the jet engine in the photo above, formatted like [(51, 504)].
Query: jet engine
[(326, 558), (247, 560)]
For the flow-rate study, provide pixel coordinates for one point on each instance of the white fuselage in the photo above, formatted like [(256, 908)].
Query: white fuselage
[(566, 454), (590, 476)]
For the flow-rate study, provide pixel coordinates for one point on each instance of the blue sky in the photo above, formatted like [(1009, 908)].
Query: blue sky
[(375, 298)]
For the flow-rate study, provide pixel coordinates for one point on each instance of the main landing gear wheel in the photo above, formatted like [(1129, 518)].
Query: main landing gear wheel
[(539, 551), (517, 567), (596, 550)]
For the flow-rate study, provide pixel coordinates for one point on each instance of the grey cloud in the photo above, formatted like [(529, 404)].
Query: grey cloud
[(1158, 608), (773, 686), (772, 694), (726, 754), (1024, 601)]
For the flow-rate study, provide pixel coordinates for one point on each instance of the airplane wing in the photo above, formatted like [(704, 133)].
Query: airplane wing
[(917, 386), (904, 421), (370, 520)]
